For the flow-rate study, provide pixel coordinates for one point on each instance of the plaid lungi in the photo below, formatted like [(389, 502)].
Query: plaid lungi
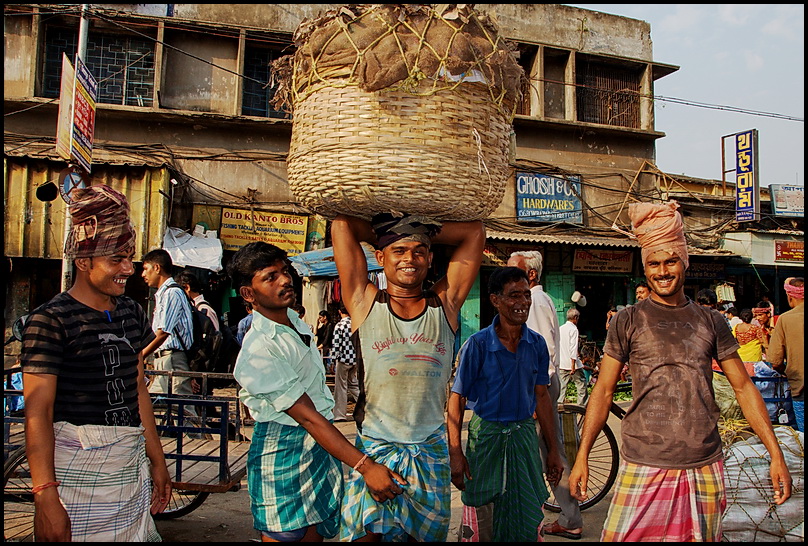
[(666, 505), (423, 511), (506, 469), (105, 482), (293, 482)]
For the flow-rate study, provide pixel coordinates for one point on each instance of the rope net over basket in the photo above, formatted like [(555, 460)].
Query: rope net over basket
[(400, 108)]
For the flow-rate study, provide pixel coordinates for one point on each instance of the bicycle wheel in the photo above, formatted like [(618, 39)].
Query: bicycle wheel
[(604, 458), (182, 503), (18, 501)]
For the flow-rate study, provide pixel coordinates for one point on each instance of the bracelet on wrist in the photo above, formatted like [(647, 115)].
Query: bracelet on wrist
[(44, 486), (360, 463)]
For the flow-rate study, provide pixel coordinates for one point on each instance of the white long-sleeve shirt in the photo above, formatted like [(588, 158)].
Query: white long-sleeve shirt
[(568, 346), (544, 320)]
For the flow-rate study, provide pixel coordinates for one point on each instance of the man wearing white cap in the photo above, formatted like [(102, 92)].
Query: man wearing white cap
[(671, 484)]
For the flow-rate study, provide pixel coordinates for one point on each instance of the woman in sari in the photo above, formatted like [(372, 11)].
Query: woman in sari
[(753, 339)]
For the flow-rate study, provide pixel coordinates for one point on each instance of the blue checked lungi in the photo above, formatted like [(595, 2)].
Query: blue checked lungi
[(423, 511), (293, 482), (105, 482)]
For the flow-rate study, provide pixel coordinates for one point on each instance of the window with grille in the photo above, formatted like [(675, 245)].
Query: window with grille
[(608, 94), (256, 96), (123, 65)]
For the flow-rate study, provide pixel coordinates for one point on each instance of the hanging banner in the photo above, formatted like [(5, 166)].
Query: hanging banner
[(747, 189), (544, 198), (242, 226), (602, 261), (75, 127)]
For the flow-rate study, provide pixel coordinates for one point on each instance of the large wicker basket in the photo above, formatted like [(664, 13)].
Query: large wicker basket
[(443, 155), (435, 145)]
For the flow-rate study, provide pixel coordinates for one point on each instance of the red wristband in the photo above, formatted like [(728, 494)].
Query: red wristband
[(44, 486)]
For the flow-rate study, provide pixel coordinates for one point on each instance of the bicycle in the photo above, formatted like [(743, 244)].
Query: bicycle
[(604, 458)]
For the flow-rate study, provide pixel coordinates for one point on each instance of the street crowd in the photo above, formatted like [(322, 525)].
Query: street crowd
[(99, 473)]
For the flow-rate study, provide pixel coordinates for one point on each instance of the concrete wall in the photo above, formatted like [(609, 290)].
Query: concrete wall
[(198, 117)]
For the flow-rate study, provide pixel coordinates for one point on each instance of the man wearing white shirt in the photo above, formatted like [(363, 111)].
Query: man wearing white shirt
[(543, 319), (570, 365)]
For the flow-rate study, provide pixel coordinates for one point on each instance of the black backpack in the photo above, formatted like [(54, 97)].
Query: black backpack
[(207, 340)]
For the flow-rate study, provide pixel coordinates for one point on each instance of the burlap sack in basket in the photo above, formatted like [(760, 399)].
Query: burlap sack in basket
[(399, 108)]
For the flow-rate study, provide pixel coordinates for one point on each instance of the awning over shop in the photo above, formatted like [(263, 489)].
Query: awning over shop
[(320, 263), (580, 240)]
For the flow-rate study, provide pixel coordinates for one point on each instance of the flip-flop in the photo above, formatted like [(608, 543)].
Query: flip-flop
[(557, 530)]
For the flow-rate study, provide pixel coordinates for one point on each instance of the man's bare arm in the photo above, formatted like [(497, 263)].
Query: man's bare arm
[(597, 412), (51, 522), (469, 237), (347, 234)]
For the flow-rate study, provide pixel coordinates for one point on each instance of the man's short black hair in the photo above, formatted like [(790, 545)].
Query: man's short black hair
[(160, 257), (706, 297), (502, 276), (250, 259), (189, 278)]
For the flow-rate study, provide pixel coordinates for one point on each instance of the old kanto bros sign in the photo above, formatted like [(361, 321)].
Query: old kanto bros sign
[(242, 226)]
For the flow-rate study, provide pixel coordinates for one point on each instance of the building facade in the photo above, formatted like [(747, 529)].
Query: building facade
[(184, 126)]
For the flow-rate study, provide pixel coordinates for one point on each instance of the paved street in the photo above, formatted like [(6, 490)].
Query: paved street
[(225, 517)]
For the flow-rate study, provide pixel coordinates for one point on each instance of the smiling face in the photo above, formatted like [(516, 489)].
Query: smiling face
[(271, 290), (107, 275), (513, 304), (405, 263), (665, 274)]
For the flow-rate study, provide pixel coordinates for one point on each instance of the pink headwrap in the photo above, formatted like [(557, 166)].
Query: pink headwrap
[(659, 227), (797, 292)]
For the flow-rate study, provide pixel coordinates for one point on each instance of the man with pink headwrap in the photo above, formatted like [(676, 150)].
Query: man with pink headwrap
[(671, 485), (787, 345)]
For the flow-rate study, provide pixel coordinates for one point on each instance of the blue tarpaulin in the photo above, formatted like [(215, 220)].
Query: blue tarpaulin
[(320, 263)]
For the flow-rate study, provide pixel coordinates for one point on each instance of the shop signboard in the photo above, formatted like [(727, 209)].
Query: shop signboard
[(747, 189), (788, 201), (76, 122), (789, 251), (599, 260), (242, 226), (544, 198), (706, 270)]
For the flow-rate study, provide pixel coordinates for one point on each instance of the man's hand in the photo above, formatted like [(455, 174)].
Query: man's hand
[(383, 484), (51, 522), (161, 488), (555, 468), (578, 479), (781, 480), (459, 466)]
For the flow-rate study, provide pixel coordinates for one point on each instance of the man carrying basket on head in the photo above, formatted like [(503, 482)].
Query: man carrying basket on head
[(404, 338)]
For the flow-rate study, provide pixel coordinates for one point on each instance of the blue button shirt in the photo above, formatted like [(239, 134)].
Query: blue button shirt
[(499, 385)]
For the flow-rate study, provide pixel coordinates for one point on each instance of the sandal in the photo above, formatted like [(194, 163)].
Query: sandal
[(557, 530)]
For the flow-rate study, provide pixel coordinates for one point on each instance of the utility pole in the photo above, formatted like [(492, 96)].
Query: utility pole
[(67, 263)]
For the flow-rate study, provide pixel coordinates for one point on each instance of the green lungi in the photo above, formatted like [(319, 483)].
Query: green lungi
[(506, 469)]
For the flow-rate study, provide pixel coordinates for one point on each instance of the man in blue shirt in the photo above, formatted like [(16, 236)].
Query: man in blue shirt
[(172, 323), (503, 377)]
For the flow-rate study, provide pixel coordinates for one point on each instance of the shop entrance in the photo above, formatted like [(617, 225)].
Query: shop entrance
[(602, 292)]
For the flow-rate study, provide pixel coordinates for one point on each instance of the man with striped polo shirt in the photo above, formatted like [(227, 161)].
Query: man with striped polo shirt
[(97, 465)]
